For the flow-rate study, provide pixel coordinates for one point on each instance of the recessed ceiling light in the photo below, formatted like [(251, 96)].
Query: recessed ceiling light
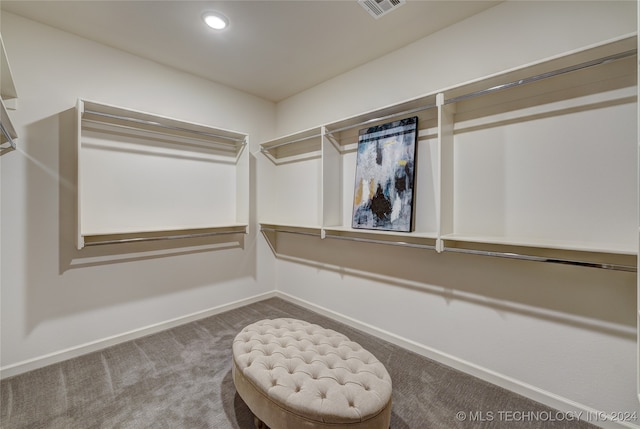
[(215, 20)]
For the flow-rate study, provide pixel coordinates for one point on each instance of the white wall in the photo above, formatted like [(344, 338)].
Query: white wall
[(55, 297), (506, 36), (563, 335)]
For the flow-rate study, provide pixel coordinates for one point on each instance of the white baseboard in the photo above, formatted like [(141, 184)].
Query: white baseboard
[(59, 356), (549, 399)]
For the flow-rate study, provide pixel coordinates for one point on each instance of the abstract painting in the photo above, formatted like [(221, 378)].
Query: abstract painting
[(385, 174)]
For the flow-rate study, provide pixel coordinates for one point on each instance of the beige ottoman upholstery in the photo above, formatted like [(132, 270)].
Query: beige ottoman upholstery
[(296, 375)]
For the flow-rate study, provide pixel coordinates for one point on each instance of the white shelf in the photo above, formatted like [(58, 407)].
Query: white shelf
[(148, 177), (423, 241), (178, 132), (161, 235), (292, 226), (414, 107), (294, 146), (542, 157), (400, 236), (402, 239), (575, 246)]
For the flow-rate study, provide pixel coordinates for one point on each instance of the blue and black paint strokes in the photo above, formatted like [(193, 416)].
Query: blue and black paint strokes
[(385, 174)]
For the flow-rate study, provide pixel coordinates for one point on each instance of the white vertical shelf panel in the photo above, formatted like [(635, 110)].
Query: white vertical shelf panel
[(80, 172), (348, 187), (445, 162), (638, 216), (427, 185), (243, 185), (135, 178), (332, 179)]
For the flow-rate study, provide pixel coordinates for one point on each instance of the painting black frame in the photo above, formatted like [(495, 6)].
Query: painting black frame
[(384, 189)]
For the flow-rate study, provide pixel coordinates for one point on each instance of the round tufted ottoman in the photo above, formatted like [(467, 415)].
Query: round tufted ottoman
[(295, 375)]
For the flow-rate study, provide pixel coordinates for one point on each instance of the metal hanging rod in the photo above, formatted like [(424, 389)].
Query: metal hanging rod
[(382, 118), (509, 255), (371, 240), (288, 231), (542, 76), (288, 142), (160, 238), (169, 127), (342, 237)]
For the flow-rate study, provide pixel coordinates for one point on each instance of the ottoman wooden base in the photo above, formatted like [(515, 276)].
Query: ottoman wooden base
[(296, 375)]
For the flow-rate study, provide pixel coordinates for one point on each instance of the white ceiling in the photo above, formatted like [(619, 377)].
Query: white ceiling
[(272, 49)]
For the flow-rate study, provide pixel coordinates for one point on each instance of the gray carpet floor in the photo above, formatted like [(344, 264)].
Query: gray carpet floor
[(181, 378)]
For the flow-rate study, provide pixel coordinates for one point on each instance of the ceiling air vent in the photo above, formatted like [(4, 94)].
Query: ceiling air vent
[(378, 8)]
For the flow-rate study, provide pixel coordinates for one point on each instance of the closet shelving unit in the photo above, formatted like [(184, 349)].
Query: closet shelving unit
[(8, 100), (536, 163), (145, 177)]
